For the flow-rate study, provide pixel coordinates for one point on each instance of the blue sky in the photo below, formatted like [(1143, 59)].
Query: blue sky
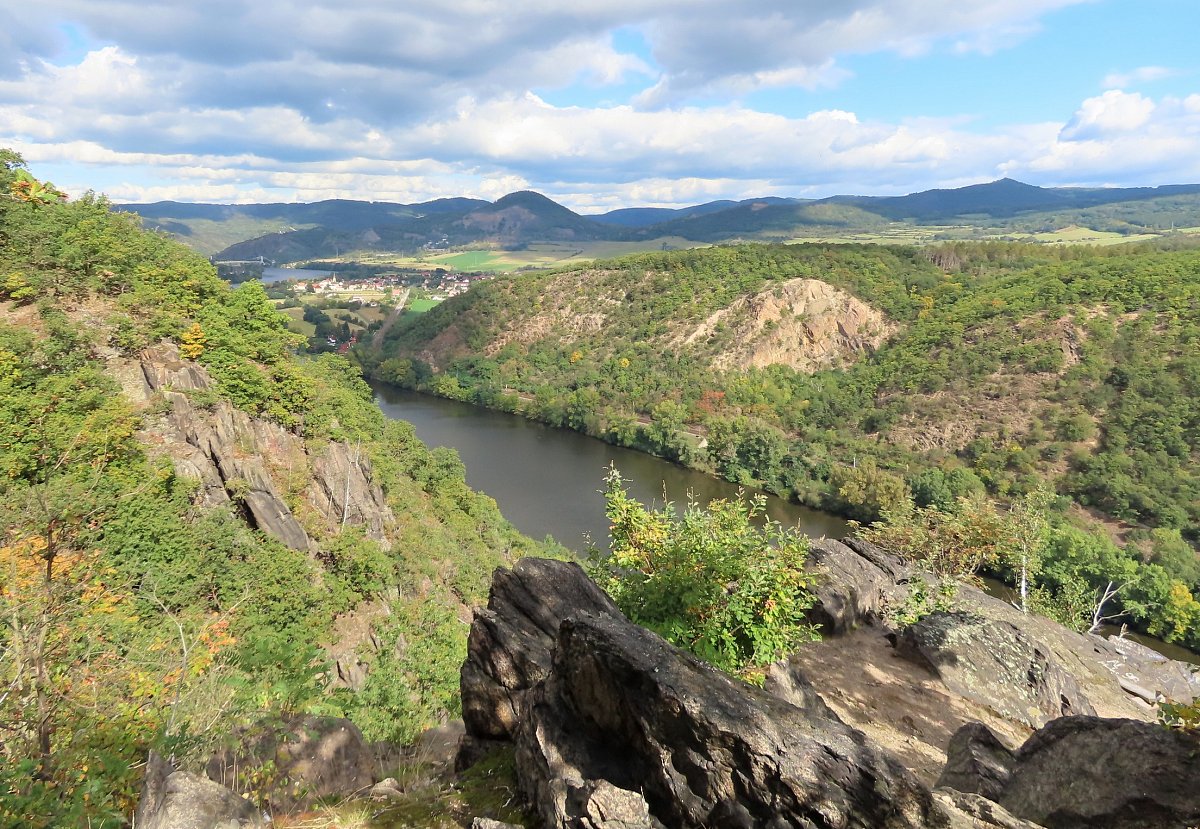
[(597, 103)]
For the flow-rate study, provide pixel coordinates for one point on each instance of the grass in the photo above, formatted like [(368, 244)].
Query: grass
[(535, 255), (420, 306), (1078, 235)]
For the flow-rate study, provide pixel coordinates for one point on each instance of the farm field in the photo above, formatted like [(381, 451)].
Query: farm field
[(536, 255)]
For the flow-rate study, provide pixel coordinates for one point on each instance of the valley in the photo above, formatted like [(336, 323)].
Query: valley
[(208, 511)]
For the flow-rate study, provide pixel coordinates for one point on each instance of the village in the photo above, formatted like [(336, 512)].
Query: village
[(437, 285)]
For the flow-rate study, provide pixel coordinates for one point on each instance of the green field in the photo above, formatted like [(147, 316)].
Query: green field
[(420, 306), (536, 255), (1077, 235)]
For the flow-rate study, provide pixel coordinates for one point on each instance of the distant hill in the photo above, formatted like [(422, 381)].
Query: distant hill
[(339, 228), (647, 216)]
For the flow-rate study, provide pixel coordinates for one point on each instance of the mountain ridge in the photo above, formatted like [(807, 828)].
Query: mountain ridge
[(331, 228)]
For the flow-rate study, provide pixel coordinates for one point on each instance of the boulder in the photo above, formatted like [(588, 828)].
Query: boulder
[(856, 583), (1098, 773), (295, 763), (973, 811), (510, 643), (626, 730), (173, 799), (995, 663), (977, 762)]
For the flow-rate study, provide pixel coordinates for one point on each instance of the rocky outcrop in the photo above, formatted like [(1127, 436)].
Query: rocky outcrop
[(253, 462), (995, 663), (977, 762), (173, 799), (294, 764), (858, 581), (1097, 773), (628, 731), (511, 643), (804, 324), (613, 727)]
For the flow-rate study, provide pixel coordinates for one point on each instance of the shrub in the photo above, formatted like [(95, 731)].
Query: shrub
[(713, 580)]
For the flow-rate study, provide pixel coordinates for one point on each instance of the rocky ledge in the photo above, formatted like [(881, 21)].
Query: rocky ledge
[(613, 727)]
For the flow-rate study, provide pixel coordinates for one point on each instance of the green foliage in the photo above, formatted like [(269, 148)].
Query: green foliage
[(1013, 367), (134, 616), (709, 580)]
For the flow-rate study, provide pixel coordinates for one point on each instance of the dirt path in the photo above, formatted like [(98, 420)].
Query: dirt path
[(377, 340)]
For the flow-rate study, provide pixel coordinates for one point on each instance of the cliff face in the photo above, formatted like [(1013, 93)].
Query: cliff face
[(804, 324), (290, 490)]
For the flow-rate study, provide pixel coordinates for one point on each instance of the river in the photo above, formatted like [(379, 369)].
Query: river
[(547, 481)]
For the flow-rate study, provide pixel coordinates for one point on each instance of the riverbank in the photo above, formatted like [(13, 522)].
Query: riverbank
[(547, 480)]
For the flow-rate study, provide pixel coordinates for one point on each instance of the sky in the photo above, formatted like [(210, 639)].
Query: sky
[(599, 104)]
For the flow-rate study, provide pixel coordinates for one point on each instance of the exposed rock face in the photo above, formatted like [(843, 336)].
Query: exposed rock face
[(616, 728), (995, 662), (306, 759), (248, 459), (977, 762), (858, 580), (510, 646), (174, 799), (1088, 772), (805, 324), (624, 709)]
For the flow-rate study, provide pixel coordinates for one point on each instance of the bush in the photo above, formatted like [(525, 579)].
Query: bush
[(712, 580)]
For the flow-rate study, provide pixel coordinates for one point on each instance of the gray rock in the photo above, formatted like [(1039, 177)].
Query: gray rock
[(488, 823), (977, 762), (1145, 672), (995, 663), (1097, 773), (624, 708), (510, 643), (386, 789), (854, 588), (973, 811), (303, 760), (174, 799), (786, 680)]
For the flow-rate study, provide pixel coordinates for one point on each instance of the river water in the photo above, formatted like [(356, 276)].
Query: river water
[(547, 481)]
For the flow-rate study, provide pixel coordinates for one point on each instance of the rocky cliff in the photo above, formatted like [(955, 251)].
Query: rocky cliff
[(290, 490), (804, 324)]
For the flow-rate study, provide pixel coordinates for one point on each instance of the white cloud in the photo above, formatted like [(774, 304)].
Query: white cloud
[(1113, 112), (1141, 75), (390, 100)]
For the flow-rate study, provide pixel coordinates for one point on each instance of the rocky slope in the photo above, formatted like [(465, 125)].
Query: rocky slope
[(615, 728), (804, 324), (283, 486)]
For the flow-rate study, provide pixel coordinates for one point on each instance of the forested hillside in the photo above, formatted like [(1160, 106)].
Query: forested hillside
[(992, 367), (177, 553)]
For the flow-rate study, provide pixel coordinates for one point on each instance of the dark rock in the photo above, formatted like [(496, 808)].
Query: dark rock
[(510, 643), (298, 762), (854, 588), (626, 729), (1097, 773), (995, 663), (977, 762), (174, 799), (787, 681)]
